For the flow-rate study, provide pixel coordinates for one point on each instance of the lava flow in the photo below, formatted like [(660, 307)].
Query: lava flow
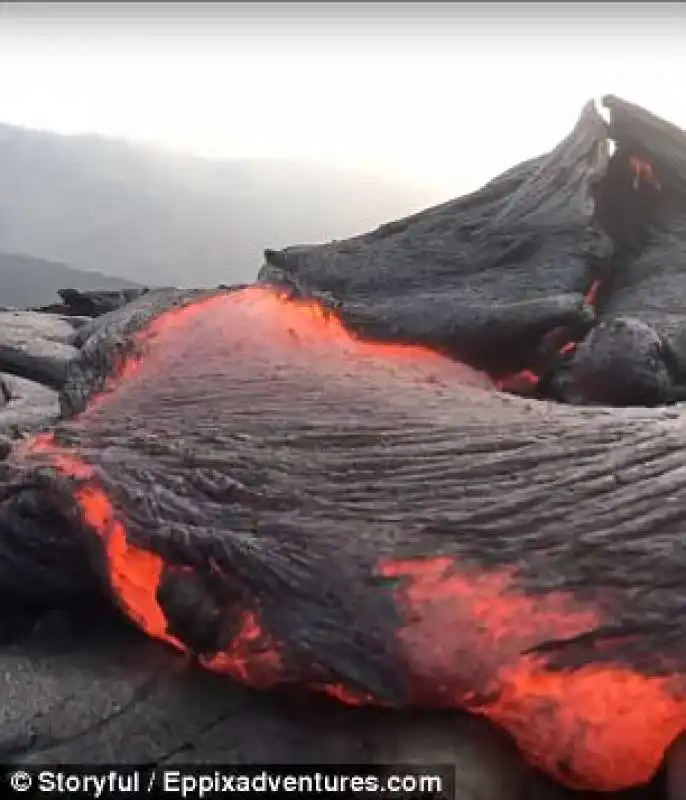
[(602, 727), (135, 573), (463, 638)]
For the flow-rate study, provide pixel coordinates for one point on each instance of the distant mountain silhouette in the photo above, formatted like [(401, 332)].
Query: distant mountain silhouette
[(26, 282), (157, 217)]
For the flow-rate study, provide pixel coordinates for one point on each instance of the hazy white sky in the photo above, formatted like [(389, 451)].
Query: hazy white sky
[(448, 94)]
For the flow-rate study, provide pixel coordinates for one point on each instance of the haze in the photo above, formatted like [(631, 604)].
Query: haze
[(444, 95)]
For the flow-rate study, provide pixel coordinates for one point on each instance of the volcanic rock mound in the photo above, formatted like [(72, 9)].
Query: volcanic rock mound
[(512, 278)]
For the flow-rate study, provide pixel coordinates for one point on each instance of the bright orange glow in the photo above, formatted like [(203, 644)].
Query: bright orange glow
[(252, 657), (612, 724), (302, 323), (602, 727), (348, 696), (299, 324)]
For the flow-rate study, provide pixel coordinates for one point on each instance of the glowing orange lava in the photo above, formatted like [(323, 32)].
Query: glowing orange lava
[(252, 657), (300, 324), (602, 727), (343, 694)]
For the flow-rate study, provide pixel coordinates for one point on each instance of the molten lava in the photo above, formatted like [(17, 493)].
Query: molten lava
[(600, 727), (135, 573), (464, 638)]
